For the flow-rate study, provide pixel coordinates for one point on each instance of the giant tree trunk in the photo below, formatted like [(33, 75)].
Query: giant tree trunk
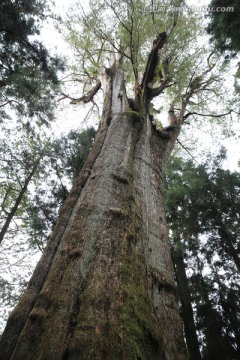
[(104, 287)]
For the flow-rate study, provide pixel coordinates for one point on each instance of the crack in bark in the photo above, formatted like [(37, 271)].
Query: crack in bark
[(96, 305), (40, 274)]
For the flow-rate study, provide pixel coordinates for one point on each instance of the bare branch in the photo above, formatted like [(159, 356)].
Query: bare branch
[(16, 263), (175, 18), (118, 17), (101, 35), (184, 147), (153, 17), (11, 101), (210, 115), (86, 97), (88, 113)]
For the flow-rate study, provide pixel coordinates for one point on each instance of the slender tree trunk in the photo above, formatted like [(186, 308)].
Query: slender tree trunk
[(186, 303), (230, 311), (18, 201), (104, 287), (227, 241)]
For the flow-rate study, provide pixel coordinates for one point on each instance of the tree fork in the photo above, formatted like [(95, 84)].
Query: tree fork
[(104, 288)]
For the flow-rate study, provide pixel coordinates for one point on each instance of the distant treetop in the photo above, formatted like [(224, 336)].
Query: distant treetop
[(224, 26)]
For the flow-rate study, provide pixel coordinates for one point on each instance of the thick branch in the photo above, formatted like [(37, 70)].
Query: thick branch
[(153, 60), (157, 91), (86, 98)]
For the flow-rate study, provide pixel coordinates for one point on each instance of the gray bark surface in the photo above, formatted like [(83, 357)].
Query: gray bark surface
[(104, 287)]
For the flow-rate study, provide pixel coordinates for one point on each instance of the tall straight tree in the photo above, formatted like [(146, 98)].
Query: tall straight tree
[(104, 287), (207, 199), (28, 84)]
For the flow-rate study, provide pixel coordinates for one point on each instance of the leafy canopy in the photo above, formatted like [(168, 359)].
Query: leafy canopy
[(126, 31), (28, 73), (225, 26)]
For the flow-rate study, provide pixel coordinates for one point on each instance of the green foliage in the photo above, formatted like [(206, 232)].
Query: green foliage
[(20, 158), (205, 196), (73, 149), (10, 294), (129, 33), (125, 30), (224, 26), (60, 167), (28, 74), (219, 339), (202, 204), (61, 161)]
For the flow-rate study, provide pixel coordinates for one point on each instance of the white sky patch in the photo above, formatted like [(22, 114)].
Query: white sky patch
[(74, 116)]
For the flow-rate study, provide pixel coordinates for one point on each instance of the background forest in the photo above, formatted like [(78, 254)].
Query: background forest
[(41, 91)]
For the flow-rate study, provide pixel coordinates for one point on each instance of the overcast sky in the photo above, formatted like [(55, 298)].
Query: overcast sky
[(73, 116)]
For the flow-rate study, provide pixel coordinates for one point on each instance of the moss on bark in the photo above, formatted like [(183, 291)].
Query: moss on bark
[(106, 292)]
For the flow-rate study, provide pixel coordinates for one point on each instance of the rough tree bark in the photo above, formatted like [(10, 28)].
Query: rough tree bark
[(186, 301), (104, 287)]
